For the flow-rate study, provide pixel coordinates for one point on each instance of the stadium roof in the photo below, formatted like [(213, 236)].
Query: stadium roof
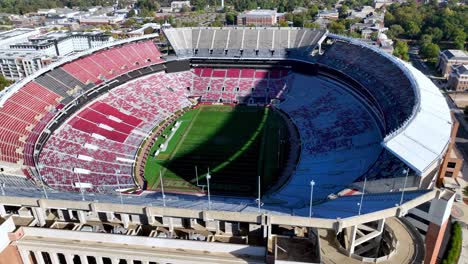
[(425, 138)]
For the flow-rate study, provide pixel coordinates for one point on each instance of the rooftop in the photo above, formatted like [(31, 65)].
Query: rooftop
[(455, 54), (15, 32)]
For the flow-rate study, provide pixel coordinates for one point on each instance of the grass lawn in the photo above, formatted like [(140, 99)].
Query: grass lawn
[(237, 144)]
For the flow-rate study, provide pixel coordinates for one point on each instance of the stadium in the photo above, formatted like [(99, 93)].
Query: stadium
[(265, 142)]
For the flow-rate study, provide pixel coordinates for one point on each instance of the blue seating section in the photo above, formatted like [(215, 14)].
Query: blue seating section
[(384, 80), (340, 139)]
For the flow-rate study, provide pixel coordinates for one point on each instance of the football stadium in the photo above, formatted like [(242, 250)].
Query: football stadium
[(225, 145)]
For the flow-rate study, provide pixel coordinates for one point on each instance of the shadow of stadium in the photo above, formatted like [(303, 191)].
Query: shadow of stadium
[(232, 149)]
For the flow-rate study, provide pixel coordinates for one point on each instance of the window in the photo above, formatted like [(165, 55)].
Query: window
[(451, 165)]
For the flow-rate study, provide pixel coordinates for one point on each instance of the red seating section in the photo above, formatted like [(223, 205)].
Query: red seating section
[(113, 62), (18, 117)]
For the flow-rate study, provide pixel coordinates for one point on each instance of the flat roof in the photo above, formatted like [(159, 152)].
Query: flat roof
[(15, 32), (424, 140)]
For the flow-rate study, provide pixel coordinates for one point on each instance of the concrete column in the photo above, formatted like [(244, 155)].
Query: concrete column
[(110, 216), (99, 259), (149, 216), (2, 210), (145, 261), (39, 215), (60, 214), (68, 258), (351, 240), (70, 215), (39, 258), (125, 220), (25, 256), (115, 260), (54, 258), (84, 259), (82, 217)]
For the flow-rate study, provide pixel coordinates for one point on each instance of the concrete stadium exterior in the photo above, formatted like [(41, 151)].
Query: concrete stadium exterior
[(358, 236)]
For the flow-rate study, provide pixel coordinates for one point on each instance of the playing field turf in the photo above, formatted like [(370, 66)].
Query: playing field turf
[(237, 144)]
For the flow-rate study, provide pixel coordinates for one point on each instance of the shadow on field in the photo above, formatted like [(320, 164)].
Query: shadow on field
[(236, 142)]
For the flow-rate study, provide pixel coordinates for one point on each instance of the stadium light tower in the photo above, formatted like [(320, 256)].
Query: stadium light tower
[(2, 186), (162, 188), (208, 177), (312, 184), (81, 188), (44, 188), (406, 171), (117, 172), (362, 195)]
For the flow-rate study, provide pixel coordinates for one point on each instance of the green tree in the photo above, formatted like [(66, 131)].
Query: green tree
[(425, 39), (4, 82), (336, 27), (283, 23), (459, 38), (395, 31), (231, 18), (412, 29), (129, 22), (429, 51), (401, 50)]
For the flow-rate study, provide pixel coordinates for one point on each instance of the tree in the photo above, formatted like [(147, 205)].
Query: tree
[(129, 22), (230, 18), (283, 23), (4, 82), (343, 12), (374, 36), (401, 50), (412, 29), (395, 31), (429, 51), (336, 27), (425, 39), (459, 38)]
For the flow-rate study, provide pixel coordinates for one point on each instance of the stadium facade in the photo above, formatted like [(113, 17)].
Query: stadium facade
[(72, 136)]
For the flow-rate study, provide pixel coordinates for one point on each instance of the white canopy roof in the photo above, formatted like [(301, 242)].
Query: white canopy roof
[(425, 138)]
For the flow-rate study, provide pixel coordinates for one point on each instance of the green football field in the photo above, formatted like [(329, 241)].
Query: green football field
[(236, 143)]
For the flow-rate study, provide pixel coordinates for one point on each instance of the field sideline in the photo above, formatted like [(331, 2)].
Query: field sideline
[(237, 144)]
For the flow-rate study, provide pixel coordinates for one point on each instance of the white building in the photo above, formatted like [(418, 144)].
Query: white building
[(21, 59), (176, 6), (17, 64), (63, 43), (16, 35)]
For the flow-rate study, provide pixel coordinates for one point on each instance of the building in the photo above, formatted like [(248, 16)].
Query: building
[(361, 13), (17, 64), (259, 17), (448, 58), (458, 78), (101, 20), (16, 35), (58, 12), (328, 14), (21, 59), (63, 43), (176, 6)]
